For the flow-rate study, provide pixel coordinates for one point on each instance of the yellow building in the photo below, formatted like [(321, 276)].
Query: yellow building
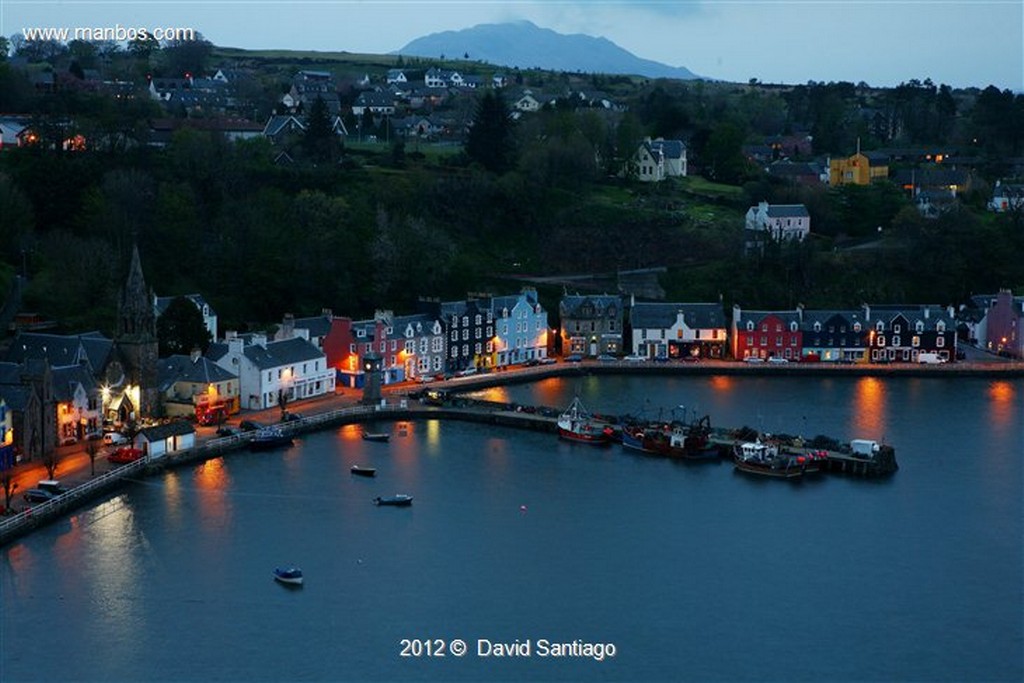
[(859, 169)]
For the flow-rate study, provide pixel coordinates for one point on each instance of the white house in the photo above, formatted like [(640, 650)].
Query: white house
[(658, 159), (677, 330), (1006, 197), (294, 368), (783, 221), (158, 441)]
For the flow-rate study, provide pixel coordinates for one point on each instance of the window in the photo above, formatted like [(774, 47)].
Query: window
[(750, 326), (880, 326), (477, 320), (881, 340), (465, 335), (895, 340), (478, 349), (778, 340), (764, 340), (940, 341), (856, 327), (817, 327), (351, 348), (394, 344), (940, 327), (750, 341), (896, 328), (919, 327)]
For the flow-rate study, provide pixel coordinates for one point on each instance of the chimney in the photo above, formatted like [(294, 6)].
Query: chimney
[(327, 313), (195, 355), (287, 330)]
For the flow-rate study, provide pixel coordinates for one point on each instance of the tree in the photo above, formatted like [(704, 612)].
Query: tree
[(490, 142), (182, 57), (319, 141), (181, 328)]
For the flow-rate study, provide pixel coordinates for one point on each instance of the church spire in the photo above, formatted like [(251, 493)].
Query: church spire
[(135, 315)]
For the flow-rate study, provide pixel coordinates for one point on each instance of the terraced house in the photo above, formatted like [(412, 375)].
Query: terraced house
[(901, 333), (591, 324), (677, 330), (520, 328)]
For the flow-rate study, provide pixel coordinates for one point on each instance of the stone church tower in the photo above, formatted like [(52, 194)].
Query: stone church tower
[(135, 339)]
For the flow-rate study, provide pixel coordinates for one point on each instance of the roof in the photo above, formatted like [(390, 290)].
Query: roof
[(664, 315), (165, 431), (787, 211), (318, 325), (181, 368), (285, 352), (571, 304), (59, 350), (672, 149), (67, 378), (756, 317)]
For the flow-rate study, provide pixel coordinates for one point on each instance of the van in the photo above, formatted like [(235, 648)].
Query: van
[(930, 358), (114, 438)]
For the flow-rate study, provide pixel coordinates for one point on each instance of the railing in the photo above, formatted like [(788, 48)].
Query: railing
[(31, 516)]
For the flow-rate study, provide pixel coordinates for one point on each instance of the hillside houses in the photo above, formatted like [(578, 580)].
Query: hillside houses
[(783, 222)]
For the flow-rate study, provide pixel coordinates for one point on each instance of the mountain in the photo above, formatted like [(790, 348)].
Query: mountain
[(525, 45)]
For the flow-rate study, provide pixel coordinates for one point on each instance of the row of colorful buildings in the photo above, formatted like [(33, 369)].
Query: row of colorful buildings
[(56, 389)]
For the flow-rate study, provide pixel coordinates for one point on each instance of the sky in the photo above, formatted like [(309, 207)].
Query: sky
[(962, 43)]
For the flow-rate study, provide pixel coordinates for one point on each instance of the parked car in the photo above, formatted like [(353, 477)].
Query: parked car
[(38, 495), (125, 454), (777, 360), (68, 440), (114, 438), (753, 359), (548, 361), (224, 430), (635, 358), (661, 358), (573, 358), (606, 358)]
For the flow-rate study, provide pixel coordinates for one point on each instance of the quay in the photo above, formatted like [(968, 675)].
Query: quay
[(430, 404)]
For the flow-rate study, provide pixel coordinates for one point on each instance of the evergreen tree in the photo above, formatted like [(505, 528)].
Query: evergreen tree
[(181, 328), (490, 142), (319, 142)]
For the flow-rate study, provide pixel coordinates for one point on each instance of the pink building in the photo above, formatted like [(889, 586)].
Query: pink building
[(1004, 322)]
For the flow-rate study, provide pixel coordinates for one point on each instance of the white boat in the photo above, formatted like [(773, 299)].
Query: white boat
[(289, 575)]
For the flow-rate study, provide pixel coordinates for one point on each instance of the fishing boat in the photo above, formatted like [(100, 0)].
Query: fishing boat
[(766, 459), (576, 423), (288, 575), (376, 436), (361, 471), (266, 438), (673, 440), (397, 500)]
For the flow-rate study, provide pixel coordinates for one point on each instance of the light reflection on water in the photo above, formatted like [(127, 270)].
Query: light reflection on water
[(869, 410)]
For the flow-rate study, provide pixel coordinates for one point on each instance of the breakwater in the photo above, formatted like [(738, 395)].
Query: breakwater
[(445, 404)]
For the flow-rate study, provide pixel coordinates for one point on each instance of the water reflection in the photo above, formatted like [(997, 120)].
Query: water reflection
[(1003, 408), (869, 410), (212, 481)]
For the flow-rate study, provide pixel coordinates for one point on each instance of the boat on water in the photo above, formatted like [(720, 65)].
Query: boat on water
[(576, 423), (266, 438), (361, 471), (376, 436), (766, 459), (288, 575), (397, 500), (673, 440)]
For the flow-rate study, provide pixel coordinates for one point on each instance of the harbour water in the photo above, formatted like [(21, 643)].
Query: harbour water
[(691, 571)]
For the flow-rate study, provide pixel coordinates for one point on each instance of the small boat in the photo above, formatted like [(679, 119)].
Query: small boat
[(397, 500), (364, 471), (376, 436), (266, 438), (289, 575), (766, 459), (577, 424)]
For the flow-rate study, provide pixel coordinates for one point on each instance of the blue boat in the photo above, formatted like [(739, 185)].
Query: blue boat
[(398, 500), (288, 575), (266, 438)]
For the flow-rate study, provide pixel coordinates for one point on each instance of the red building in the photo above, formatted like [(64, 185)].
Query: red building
[(766, 334)]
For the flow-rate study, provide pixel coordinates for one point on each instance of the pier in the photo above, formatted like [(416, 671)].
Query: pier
[(426, 405)]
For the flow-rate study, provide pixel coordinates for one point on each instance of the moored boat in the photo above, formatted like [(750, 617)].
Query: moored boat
[(766, 459), (288, 575), (376, 436), (577, 424), (673, 440), (361, 471), (397, 500), (269, 437)]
